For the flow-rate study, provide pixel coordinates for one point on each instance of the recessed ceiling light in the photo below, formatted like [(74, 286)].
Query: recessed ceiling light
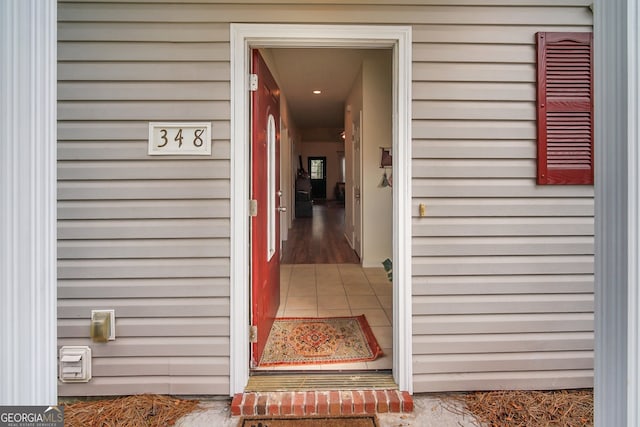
[(317, 92)]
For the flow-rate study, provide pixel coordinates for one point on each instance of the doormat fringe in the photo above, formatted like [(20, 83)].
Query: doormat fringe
[(320, 340)]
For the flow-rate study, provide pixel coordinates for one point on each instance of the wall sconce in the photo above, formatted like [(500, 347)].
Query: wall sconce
[(103, 327)]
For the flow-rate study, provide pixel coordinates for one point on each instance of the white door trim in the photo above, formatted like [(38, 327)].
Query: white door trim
[(242, 38)]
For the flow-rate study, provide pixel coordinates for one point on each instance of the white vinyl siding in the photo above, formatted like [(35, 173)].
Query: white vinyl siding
[(148, 237), (502, 268)]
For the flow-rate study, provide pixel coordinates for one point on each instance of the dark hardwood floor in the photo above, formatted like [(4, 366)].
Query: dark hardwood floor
[(319, 239)]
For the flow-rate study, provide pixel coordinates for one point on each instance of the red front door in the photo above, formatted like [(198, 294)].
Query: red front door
[(265, 190)]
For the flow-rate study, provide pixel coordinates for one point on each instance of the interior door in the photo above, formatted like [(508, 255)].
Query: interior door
[(357, 185), (318, 175), (265, 194)]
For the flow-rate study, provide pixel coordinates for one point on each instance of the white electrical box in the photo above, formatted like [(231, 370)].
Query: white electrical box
[(75, 364)]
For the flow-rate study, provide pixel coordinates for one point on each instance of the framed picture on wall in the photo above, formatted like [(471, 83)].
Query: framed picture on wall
[(385, 158)]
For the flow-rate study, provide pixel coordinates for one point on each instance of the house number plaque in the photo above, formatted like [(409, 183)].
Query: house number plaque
[(187, 139)]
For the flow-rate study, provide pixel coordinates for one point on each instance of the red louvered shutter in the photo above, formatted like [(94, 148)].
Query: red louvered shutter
[(565, 108)]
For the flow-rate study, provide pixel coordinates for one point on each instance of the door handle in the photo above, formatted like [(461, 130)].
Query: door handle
[(282, 208)]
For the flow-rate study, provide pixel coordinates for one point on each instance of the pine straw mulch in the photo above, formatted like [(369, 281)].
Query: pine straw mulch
[(562, 408), (132, 411)]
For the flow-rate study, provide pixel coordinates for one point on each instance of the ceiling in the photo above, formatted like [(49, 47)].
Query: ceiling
[(331, 70)]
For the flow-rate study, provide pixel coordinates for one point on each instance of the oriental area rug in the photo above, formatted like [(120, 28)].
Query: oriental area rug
[(344, 421), (319, 340)]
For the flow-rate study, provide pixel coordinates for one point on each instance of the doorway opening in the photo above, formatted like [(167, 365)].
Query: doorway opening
[(331, 265), (397, 40), (318, 176)]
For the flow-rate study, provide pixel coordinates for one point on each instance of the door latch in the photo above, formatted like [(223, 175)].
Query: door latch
[(253, 333)]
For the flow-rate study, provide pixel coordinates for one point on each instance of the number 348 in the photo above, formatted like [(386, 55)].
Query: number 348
[(179, 138), (183, 138)]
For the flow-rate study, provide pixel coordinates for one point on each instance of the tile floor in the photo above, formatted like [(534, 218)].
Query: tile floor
[(325, 290)]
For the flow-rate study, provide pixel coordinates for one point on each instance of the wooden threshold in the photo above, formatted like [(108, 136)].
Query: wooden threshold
[(310, 381)]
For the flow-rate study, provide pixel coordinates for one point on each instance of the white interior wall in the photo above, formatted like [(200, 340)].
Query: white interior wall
[(371, 93), (377, 234)]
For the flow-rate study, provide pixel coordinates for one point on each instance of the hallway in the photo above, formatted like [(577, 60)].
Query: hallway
[(319, 239)]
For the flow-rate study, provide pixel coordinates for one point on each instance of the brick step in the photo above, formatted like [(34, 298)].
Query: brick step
[(343, 402)]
